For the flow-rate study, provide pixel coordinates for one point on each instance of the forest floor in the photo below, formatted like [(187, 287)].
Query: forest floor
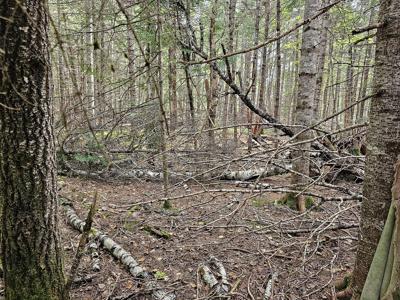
[(253, 237)]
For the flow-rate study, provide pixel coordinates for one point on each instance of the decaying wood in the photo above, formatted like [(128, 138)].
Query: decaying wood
[(269, 289), (94, 254), (243, 175), (271, 170), (217, 282), (121, 255)]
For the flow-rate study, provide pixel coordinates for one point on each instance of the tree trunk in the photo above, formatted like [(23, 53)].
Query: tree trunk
[(305, 96), (229, 98), (361, 114), (254, 67), (336, 98), (296, 81), (173, 100), (90, 81), (321, 62), (383, 143), (131, 68), (278, 61), (212, 93), (263, 72), (31, 253), (348, 99)]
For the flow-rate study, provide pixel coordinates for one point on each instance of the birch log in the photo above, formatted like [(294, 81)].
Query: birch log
[(123, 256)]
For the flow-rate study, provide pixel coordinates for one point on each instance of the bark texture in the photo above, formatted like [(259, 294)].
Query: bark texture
[(383, 143), (31, 254), (305, 96)]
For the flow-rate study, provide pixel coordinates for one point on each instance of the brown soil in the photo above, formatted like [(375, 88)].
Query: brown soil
[(253, 243)]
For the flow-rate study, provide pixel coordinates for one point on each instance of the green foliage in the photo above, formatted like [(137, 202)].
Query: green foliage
[(356, 151), (160, 275), (90, 160)]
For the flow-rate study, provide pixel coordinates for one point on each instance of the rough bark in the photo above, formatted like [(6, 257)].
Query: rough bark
[(173, 100), (264, 63), (31, 254), (212, 93), (278, 61), (131, 67), (305, 96), (361, 114), (229, 98), (348, 99), (254, 67), (321, 62), (383, 143)]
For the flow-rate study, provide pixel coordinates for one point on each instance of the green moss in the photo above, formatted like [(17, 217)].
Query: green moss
[(356, 151), (344, 283), (167, 205), (130, 225), (309, 202), (158, 232), (160, 275), (260, 202), (290, 201)]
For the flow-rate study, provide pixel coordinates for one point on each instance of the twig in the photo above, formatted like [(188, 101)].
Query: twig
[(82, 242)]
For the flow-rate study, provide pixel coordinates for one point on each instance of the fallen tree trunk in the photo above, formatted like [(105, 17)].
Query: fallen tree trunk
[(242, 175), (121, 255), (271, 170)]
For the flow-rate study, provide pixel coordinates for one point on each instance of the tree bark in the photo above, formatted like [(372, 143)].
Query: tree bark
[(254, 67), (31, 253), (305, 96), (348, 99), (383, 143), (278, 61), (173, 100), (212, 93), (264, 63), (321, 61), (229, 98)]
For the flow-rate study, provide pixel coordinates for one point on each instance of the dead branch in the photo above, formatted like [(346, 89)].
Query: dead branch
[(81, 246), (367, 28), (121, 255)]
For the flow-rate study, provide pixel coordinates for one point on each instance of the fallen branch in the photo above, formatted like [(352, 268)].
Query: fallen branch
[(81, 246), (121, 255), (367, 28), (269, 289)]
